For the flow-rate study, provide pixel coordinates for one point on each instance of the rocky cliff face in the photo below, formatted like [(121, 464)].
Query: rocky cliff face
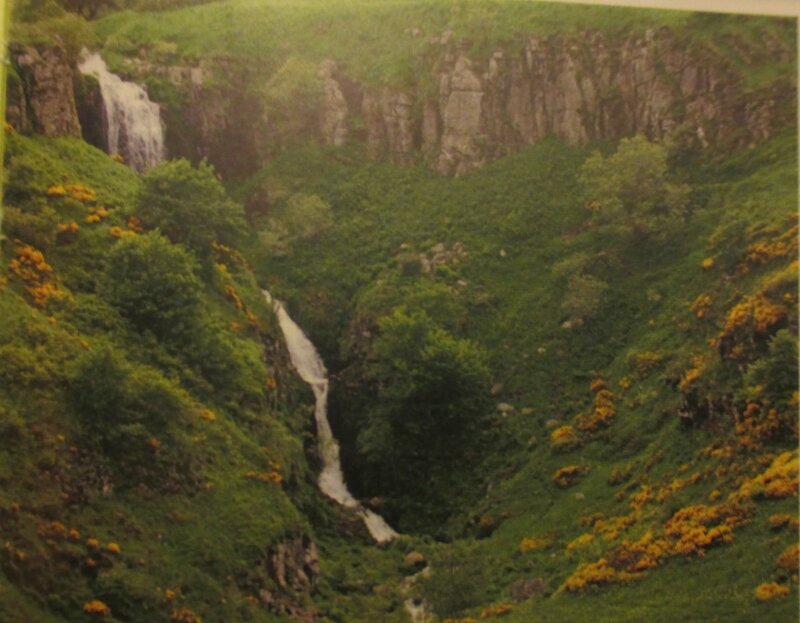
[(216, 119), (462, 112), (293, 567), (578, 88), (43, 100)]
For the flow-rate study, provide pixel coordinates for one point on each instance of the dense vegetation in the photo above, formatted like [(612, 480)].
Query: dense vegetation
[(615, 412), (569, 378), (152, 433)]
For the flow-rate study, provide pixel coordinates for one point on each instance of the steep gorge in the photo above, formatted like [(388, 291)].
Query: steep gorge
[(639, 420)]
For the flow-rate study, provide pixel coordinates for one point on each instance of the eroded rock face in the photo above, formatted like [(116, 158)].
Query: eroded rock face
[(388, 117), (91, 111), (462, 112), (293, 567), (333, 116), (579, 88), (46, 80), (461, 107), (16, 107), (217, 117), (524, 589), (587, 87)]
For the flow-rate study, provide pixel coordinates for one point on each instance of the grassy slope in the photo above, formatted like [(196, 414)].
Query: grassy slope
[(526, 206), (269, 32), (201, 541)]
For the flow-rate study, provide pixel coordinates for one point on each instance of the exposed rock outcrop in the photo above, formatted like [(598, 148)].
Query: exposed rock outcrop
[(524, 589), (91, 111), (462, 112), (46, 81), (293, 567), (592, 86), (16, 107), (390, 125), (224, 124), (333, 116), (577, 87), (208, 111)]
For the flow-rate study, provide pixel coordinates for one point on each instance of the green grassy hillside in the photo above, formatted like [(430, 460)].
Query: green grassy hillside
[(356, 33), (678, 436), (569, 378), (151, 477)]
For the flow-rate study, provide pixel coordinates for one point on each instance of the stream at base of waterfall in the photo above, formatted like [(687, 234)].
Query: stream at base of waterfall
[(309, 366)]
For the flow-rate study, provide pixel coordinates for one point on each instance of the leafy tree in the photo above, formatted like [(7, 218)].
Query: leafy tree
[(131, 410), (190, 206), (232, 367), (631, 189), (432, 395), (153, 285)]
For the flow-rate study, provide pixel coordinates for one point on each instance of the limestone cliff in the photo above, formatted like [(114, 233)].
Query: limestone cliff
[(581, 87), (43, 100)]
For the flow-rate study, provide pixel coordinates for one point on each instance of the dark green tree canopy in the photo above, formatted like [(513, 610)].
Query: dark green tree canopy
[(190, 206), (153, 285), (432, 399)]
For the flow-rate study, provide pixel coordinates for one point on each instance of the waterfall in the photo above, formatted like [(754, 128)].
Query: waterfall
[(309, 366), (132, 122)]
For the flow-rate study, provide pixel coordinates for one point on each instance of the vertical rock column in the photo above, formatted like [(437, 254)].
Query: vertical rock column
[(46, 78)]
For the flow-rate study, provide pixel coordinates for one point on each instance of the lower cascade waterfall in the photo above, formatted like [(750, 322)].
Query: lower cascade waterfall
[(309, 366), (132, 122)]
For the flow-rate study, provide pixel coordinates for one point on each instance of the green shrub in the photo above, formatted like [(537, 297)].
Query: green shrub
[(152, 284), (190, 206), (432, 393), (632, 189), (233, 367)]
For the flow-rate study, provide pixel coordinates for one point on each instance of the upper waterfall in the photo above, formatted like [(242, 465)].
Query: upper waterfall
[(309, 366), (132, 122)]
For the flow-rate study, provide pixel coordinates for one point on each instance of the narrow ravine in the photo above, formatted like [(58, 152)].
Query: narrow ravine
[(311, 369)]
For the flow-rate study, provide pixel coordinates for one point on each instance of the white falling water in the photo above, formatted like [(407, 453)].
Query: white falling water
[(309, 366), (133, 122)]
